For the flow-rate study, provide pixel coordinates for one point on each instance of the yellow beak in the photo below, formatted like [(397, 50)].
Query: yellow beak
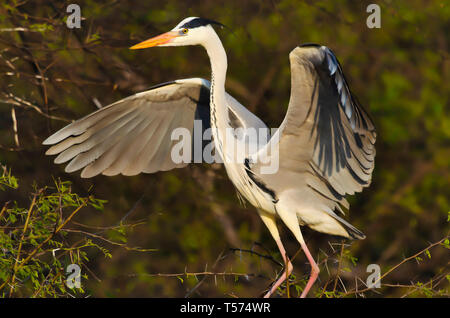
[(155, 41)]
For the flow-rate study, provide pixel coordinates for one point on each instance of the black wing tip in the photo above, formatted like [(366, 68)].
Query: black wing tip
[(353, 234), (356, 234)]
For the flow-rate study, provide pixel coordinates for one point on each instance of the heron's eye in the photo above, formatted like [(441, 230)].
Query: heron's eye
[(184, 31)]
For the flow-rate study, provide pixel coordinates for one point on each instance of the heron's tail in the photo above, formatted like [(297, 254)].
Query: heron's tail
[(352, 231)]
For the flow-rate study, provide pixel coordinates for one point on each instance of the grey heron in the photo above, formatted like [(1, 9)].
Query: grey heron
[(324, 146)]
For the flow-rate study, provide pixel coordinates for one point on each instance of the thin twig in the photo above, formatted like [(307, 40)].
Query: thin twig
[(14, 120), (257, 254), (339, 268), (14, 100), (30, 210), (18, 29), (36, 249), (204, 277), (187, 274), (396, 266), (3, 209), (111, 242)]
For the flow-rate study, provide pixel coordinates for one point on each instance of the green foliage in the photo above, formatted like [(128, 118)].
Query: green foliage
[(35, 244), (7, 180), (41, 27)]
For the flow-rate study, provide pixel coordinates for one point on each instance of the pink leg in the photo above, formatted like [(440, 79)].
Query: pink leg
[(286, 272), (291, 220), (314, 271)]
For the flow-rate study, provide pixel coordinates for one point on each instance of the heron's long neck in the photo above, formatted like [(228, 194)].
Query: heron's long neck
[(218, 59)]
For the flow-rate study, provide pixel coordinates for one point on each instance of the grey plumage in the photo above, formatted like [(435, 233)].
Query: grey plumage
[(323, 150), (326, 141), (132, 135), (323, 156)]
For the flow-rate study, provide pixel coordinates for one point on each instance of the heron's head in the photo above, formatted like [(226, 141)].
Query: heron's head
[(190, 31)]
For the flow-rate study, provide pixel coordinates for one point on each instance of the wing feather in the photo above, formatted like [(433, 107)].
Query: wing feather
[(137, 165), (162, 161), (104, 164), (98, 144), (342, 134), (132, 135), (159, 142), (326, 140)]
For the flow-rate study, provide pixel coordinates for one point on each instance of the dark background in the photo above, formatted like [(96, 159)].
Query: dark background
[(400, 73)]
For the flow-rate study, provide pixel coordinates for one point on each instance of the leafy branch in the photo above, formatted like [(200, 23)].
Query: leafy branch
[(30, 237)]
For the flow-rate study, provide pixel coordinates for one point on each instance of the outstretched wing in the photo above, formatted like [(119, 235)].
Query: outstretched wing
[(133, 135), (341, 133), (326, 141)]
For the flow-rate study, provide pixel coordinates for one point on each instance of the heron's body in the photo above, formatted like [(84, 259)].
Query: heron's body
[(324, 147)]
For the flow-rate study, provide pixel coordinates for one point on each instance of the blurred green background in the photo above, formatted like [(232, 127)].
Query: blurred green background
[(192, 216)]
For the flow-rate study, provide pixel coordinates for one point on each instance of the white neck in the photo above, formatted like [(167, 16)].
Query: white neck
[(218, 59), (218, 108)]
